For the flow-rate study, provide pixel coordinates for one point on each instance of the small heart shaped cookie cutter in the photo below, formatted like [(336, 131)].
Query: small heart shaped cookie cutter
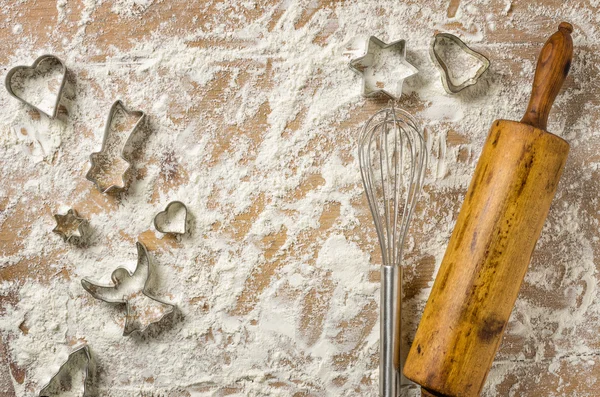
[(447, 80), (78, 357), (42, 59), (96, 170), (163, 225)]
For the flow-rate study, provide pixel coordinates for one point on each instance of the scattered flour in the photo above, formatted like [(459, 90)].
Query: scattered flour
[(253, 119)]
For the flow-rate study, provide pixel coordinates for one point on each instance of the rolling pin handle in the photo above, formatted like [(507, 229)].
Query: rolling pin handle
[(552, 68)]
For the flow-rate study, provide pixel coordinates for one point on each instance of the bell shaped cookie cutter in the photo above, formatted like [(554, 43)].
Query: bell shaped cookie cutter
[(100, 160), (167, 222), (62, 381), (439, 42), (71, 227), (122, 292), (38, 63), (365, 67)]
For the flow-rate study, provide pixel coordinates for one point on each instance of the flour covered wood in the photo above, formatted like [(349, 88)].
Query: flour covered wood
[(253, 116)]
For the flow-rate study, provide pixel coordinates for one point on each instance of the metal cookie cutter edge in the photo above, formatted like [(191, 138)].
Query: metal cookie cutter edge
[(142, 119), (444, 72), (382, 45), (81, 227), (41, 58), (166, 212), (142, 254), (88, 369)]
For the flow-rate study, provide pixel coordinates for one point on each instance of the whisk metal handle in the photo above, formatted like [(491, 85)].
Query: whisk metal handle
[(390, 366)]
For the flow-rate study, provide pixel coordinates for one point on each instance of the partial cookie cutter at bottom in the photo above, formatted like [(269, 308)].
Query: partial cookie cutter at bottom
[(96, 169), (446, 77), (63, 379), (9, 85), (163, 224)]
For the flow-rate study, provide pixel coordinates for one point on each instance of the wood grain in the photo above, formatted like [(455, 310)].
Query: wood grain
[(490, 248), (551, 71), (497, 229), (511, 45)]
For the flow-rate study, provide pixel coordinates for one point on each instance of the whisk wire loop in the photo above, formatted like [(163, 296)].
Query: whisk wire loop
[(392, 156)]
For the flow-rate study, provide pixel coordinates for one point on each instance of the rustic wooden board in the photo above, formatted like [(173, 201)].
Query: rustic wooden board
[(529, 369)]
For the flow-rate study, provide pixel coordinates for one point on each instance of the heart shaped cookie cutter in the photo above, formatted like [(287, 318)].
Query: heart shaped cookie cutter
[(163, 224), (39, 62), (97, 171), (451, 85)]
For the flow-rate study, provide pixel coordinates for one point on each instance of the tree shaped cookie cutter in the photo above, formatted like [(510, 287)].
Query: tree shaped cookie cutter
[(100, 162), (122, 292), (63, 379), (448, 82), (39, 62)]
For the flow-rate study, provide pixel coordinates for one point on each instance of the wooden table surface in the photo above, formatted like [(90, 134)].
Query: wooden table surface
[(520, 30)]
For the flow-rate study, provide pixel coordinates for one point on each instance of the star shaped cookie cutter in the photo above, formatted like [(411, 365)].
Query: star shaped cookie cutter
[(71, 227), (122, 292), (42, 60), (374, 69), (99, 172), (62, 381)]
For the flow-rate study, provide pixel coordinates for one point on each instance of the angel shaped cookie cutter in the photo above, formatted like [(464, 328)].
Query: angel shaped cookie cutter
[(102, 164), (64, 381), (131, 289)]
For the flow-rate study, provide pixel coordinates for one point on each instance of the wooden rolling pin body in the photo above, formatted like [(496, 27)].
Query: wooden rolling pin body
[(501, 218)]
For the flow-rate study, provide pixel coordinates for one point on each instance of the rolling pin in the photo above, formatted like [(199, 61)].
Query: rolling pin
[(489, 250)]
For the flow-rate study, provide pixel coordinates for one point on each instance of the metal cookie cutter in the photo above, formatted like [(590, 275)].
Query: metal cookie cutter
[(452, 56), (131, 289), (104, 166), (379, 68), (71, 227), (43, 64), (173, 219), (64, 381)]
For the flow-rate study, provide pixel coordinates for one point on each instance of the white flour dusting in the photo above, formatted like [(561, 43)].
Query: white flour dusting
[(253, 118)]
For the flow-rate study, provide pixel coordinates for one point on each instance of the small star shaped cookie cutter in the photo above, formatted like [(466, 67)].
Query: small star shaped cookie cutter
[(367, 66), (71, 227), (122, 292), (62, 381), (99, 172)]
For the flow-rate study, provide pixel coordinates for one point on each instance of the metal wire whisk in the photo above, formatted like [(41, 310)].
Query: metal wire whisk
[(393, 158)]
